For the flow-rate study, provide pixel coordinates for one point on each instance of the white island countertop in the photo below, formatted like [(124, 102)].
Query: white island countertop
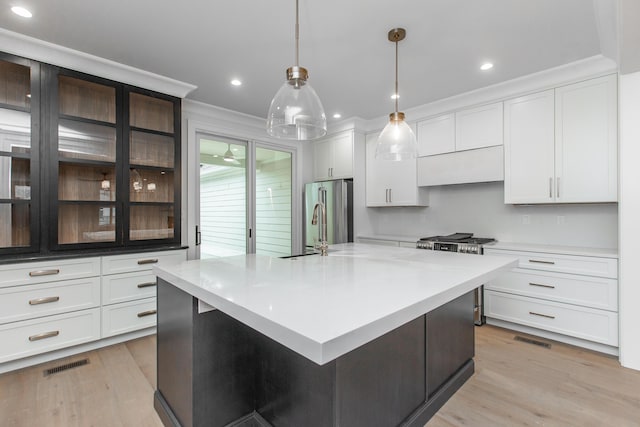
[(324, 307)]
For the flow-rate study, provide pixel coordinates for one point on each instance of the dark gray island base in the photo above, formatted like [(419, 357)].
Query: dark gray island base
[(215, 371)]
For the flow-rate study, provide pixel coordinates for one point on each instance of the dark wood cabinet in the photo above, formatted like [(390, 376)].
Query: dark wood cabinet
[(85, 162), (19, 155), (215, 371)]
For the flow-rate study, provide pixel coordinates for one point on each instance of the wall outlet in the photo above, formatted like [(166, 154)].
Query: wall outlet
[(526, 219)]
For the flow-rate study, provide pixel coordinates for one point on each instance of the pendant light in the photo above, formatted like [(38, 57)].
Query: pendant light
[(396, 141), (296, 111)]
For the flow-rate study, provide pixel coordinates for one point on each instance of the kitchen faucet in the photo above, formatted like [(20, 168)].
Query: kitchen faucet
[(324, 246)]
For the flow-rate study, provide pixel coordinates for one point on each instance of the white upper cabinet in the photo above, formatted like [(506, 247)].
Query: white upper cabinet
[(529, 148), (391, 183), (461, 147), (333, 157), (436, 135), (586, 141), (479, 127), (561, 145)]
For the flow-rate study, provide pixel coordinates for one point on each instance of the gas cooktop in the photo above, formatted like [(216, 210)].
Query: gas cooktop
[(457, 242)]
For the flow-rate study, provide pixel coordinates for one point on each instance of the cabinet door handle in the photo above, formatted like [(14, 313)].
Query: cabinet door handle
[(386, 195), (540, 285), (146, 285), (147, 313), (537, 261), (558, 187), (533, 313), (44, 272), (44, 335), (147, 261), (551, 188), (43, 300), (390, 196)]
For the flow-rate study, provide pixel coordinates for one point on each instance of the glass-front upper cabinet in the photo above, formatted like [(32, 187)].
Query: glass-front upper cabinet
[(153, 167), (117, 156), (87, 162), (19, 189)]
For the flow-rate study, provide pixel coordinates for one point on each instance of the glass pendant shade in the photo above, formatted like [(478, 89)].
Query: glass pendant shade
[(396, 141), (296, 111)]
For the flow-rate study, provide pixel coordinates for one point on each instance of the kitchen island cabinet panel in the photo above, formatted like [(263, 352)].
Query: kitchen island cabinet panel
[(214, 370)]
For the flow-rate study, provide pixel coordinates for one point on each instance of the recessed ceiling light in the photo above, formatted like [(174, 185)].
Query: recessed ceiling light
[(236, 82), (337, 115), (486, 66), (395, 96), (21, 11)]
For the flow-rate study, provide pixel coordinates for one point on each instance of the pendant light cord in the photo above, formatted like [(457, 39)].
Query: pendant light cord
[(297, 36), (397, 94)]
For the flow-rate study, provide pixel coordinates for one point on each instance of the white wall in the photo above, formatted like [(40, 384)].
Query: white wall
[(480, 209), (629, 287)]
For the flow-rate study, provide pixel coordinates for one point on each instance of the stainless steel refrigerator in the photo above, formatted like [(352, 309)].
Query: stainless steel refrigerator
[(337, 197)]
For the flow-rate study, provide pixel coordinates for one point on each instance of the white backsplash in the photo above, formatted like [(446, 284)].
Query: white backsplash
[(480, 209)]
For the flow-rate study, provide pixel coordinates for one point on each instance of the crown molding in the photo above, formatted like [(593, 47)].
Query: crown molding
[(39, 50), (594, 66)]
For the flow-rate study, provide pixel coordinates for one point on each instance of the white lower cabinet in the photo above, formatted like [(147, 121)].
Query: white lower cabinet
[(45, 299), (30, 337), (53, 305), (589, 324), (128, 316), (129, 290), (572, 296)]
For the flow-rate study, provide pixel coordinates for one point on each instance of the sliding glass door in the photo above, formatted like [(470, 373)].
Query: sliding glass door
[(223, 197), (244, 198), (273, 202)]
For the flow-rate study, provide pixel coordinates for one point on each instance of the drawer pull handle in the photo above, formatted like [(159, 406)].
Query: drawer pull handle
[(44, 335), (147, 313), (537, 261), (43, 300), (146, 285), (147, 261), (542, 286), (44, 272), (533, 313)]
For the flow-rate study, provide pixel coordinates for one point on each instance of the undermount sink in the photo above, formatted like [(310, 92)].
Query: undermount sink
[(300, 255)]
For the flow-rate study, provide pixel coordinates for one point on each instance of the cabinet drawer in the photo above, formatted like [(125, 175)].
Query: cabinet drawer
[(128, 316), (48, 271), (44, 299), (140, 262), (572, 264), (588, 291), (581, 322), (127, 287), (40, 335)]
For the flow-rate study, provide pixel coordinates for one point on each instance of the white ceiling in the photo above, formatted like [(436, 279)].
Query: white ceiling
[(342, 43)]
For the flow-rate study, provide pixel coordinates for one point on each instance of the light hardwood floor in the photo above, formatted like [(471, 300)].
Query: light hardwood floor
[(515, 384)]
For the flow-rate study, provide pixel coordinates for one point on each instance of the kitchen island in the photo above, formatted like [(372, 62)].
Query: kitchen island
[(367, 336)]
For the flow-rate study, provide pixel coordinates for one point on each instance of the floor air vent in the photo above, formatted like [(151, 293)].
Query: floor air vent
[(530, 341), (66, 366)]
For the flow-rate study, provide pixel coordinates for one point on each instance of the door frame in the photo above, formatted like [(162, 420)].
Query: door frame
[(191, 185)]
